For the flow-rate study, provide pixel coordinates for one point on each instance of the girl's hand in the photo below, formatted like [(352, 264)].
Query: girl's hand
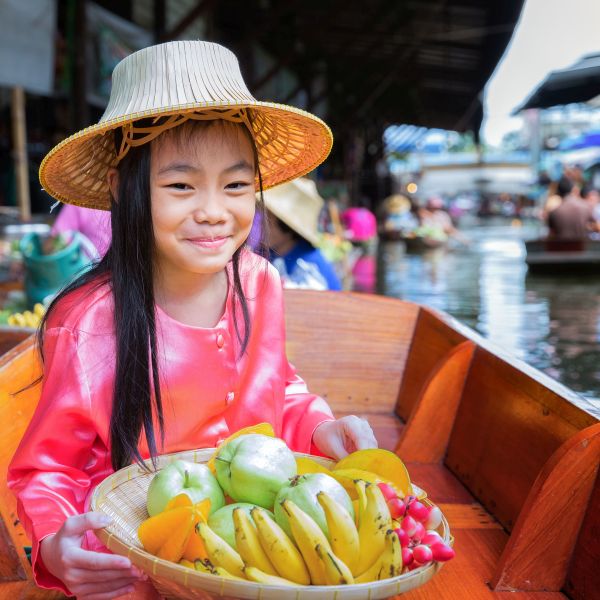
[(343, 436), (89, 575)]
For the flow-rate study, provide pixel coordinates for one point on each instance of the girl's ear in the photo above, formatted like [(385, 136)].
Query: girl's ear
[(112, 178)]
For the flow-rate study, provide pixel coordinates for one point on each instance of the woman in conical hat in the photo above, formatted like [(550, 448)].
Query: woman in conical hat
[(175, 338), (293, 211)]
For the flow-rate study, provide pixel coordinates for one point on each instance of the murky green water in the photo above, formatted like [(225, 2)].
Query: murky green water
[(552, 323)]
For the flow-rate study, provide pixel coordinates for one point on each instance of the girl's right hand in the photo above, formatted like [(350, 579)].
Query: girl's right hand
[(89, 575)]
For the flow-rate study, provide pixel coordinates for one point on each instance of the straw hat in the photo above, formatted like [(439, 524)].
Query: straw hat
[(175, 82), (298, 205)]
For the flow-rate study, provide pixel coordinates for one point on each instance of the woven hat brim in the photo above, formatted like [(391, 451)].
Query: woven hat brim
[(290, 143)]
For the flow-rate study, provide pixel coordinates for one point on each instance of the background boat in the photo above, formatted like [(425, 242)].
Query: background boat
[(563, 256)]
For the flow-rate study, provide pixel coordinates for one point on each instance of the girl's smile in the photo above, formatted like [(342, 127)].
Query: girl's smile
[(208, 243)]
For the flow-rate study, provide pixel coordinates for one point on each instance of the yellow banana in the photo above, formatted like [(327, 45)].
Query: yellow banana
[(254, 574), (187, 563), (221, 572), (248, 544), (39, 309), (343, 534), (307, 535), (336, 572), (374, 524), (204, 566), (389, 564), (361, 490), (221, 554), (282, 553)]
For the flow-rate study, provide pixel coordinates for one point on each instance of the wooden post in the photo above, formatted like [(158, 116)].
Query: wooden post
[(19, 134)]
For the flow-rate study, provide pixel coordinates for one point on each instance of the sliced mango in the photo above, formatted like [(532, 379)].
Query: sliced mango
[(262, 428), (383, 463), (308, 465), (155, 531), (175, 544), (178, 502)]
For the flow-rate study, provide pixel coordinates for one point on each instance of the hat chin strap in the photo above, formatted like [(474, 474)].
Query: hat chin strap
[(137, 136)]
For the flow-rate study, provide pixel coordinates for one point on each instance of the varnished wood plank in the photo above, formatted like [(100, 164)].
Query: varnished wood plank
[(506, 428), (547, 528), (583, 577), (27, 590), (466, 576), (18, 368), (425, 437), (468, 516), (350, 348), (433, 339), (441, 485)]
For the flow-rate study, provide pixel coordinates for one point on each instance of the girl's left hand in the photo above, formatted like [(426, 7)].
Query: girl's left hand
[(339, 438)]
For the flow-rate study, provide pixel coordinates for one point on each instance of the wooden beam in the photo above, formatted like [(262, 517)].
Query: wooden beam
[(160, 19), (538, 553), (186, 21), (19, 132)]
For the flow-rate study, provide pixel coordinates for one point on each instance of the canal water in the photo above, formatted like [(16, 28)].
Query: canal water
[(552, 323)]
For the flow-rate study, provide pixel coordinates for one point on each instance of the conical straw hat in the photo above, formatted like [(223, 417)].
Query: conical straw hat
[(298, 204), (177, 81)]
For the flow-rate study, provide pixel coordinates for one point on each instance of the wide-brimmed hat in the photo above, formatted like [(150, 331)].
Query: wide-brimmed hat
[(174, 82), (298, 205)]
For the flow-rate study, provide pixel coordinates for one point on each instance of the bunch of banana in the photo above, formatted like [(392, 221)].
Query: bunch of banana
[(374, 523), (351, 554), (27, 318), (220, 553)]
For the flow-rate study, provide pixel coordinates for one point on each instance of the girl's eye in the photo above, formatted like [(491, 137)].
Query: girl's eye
[(179, 186), (237, 185)]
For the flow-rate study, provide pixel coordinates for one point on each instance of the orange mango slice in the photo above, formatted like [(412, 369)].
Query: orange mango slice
[(153, 532), (384, 464), (163, 534), (262, 428), (174, 546), (308, 465)]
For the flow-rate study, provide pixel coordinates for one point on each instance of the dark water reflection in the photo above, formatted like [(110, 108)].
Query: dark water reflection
[(550, 323)]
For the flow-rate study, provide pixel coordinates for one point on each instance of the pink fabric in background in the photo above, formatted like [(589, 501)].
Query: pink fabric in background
[(94, 224), (360, 223)]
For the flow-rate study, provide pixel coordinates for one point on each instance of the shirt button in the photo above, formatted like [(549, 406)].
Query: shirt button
[(229, 398), (220, 341)]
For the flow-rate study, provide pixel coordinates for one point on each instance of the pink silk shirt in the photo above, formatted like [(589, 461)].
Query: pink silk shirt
[(208, 391)]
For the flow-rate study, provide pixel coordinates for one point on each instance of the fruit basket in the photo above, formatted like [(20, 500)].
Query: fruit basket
[(122, 496)]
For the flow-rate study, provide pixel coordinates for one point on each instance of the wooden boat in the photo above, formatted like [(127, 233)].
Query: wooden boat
[(413, 244), (563, 256), (510, 455)]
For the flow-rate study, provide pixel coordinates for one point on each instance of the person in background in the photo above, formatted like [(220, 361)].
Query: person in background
[(94, 224), (434, 215), (292, 219), (592, 197), (573, 219)]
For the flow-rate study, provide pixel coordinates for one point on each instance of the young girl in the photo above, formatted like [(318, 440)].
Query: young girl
[(176, 337)]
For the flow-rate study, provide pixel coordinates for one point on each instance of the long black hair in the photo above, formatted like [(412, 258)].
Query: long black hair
[(128, 268)]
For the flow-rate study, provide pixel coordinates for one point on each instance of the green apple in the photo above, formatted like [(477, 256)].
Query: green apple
[(253, 467), (221, 522), (182, 477), (302, 491)]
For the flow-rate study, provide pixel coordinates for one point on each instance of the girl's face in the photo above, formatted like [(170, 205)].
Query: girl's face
[(202, 197)]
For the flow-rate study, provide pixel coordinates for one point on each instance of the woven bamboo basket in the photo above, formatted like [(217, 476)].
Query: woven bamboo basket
[(122, 496)]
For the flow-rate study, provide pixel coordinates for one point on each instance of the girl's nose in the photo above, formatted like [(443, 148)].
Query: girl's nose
[(209, 208)]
